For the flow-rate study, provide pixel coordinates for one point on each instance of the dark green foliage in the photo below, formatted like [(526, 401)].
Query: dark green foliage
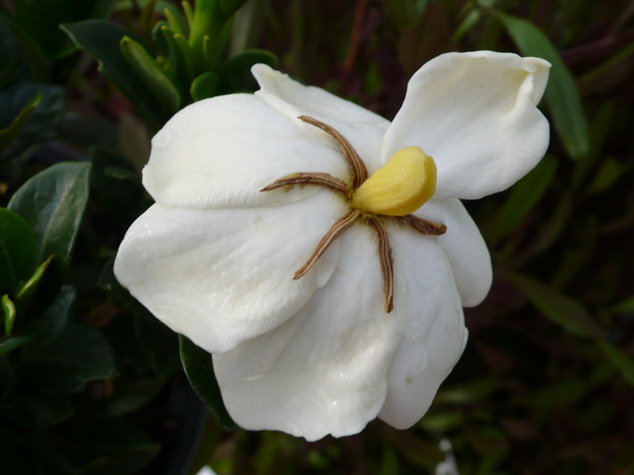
[(87, 374), (200, 373), (98, 37), (52, 203), (16, 250), (40, 19), (28, 113)]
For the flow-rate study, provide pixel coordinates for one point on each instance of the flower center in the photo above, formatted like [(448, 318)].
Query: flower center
[(403, 185), (400, 187)]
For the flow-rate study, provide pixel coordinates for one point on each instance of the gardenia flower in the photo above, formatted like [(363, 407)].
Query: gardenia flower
[(328, 298)]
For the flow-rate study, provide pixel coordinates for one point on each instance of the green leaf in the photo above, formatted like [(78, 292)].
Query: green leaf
[(116, 183), (145, 67), (10, 344), (559, 308), (624, 306), (52, 203), (159, 343), (607, 175), (11, 131), (559, 393), (620, 360), (200, 373), (524, 196), (204, 86), (52, 322), (8, 314), (229, 7), (45, 105), (26, 291), (442, 422), (97, 37), (40, 19), (147, 16), (65, 364), (236, 72), (562, 94), (178, 54), (17, 245), (176, 21)]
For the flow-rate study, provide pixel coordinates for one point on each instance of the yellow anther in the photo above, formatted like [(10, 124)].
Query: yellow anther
[(400, 187)]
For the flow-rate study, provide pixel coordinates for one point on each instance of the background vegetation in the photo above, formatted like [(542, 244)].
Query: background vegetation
[(92, 384)]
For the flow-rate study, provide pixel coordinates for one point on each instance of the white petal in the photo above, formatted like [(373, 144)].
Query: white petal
[(324, 370), (221, 152), (363, 129), (476, 114), (222, 276), (464, 247), (433, 330)]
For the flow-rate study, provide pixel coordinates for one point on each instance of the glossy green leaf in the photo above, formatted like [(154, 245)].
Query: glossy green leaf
[(176, 21), (100, 38), (29, 288), (620, 360), (200, 373), (8, 314), (65, 364), (236, 71), (204, 86), (524, 196), (562, 94), (146, 68), (17, 245), (52, 203), (178, 54), (559, 308)]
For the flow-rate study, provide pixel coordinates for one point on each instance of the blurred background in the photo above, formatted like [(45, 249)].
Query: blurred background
[(92, 384)]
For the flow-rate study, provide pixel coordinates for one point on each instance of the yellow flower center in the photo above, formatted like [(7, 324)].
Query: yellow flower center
[(393, 192), (400, 187)]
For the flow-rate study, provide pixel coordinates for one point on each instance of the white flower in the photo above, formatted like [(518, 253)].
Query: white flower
[(214, 258)]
